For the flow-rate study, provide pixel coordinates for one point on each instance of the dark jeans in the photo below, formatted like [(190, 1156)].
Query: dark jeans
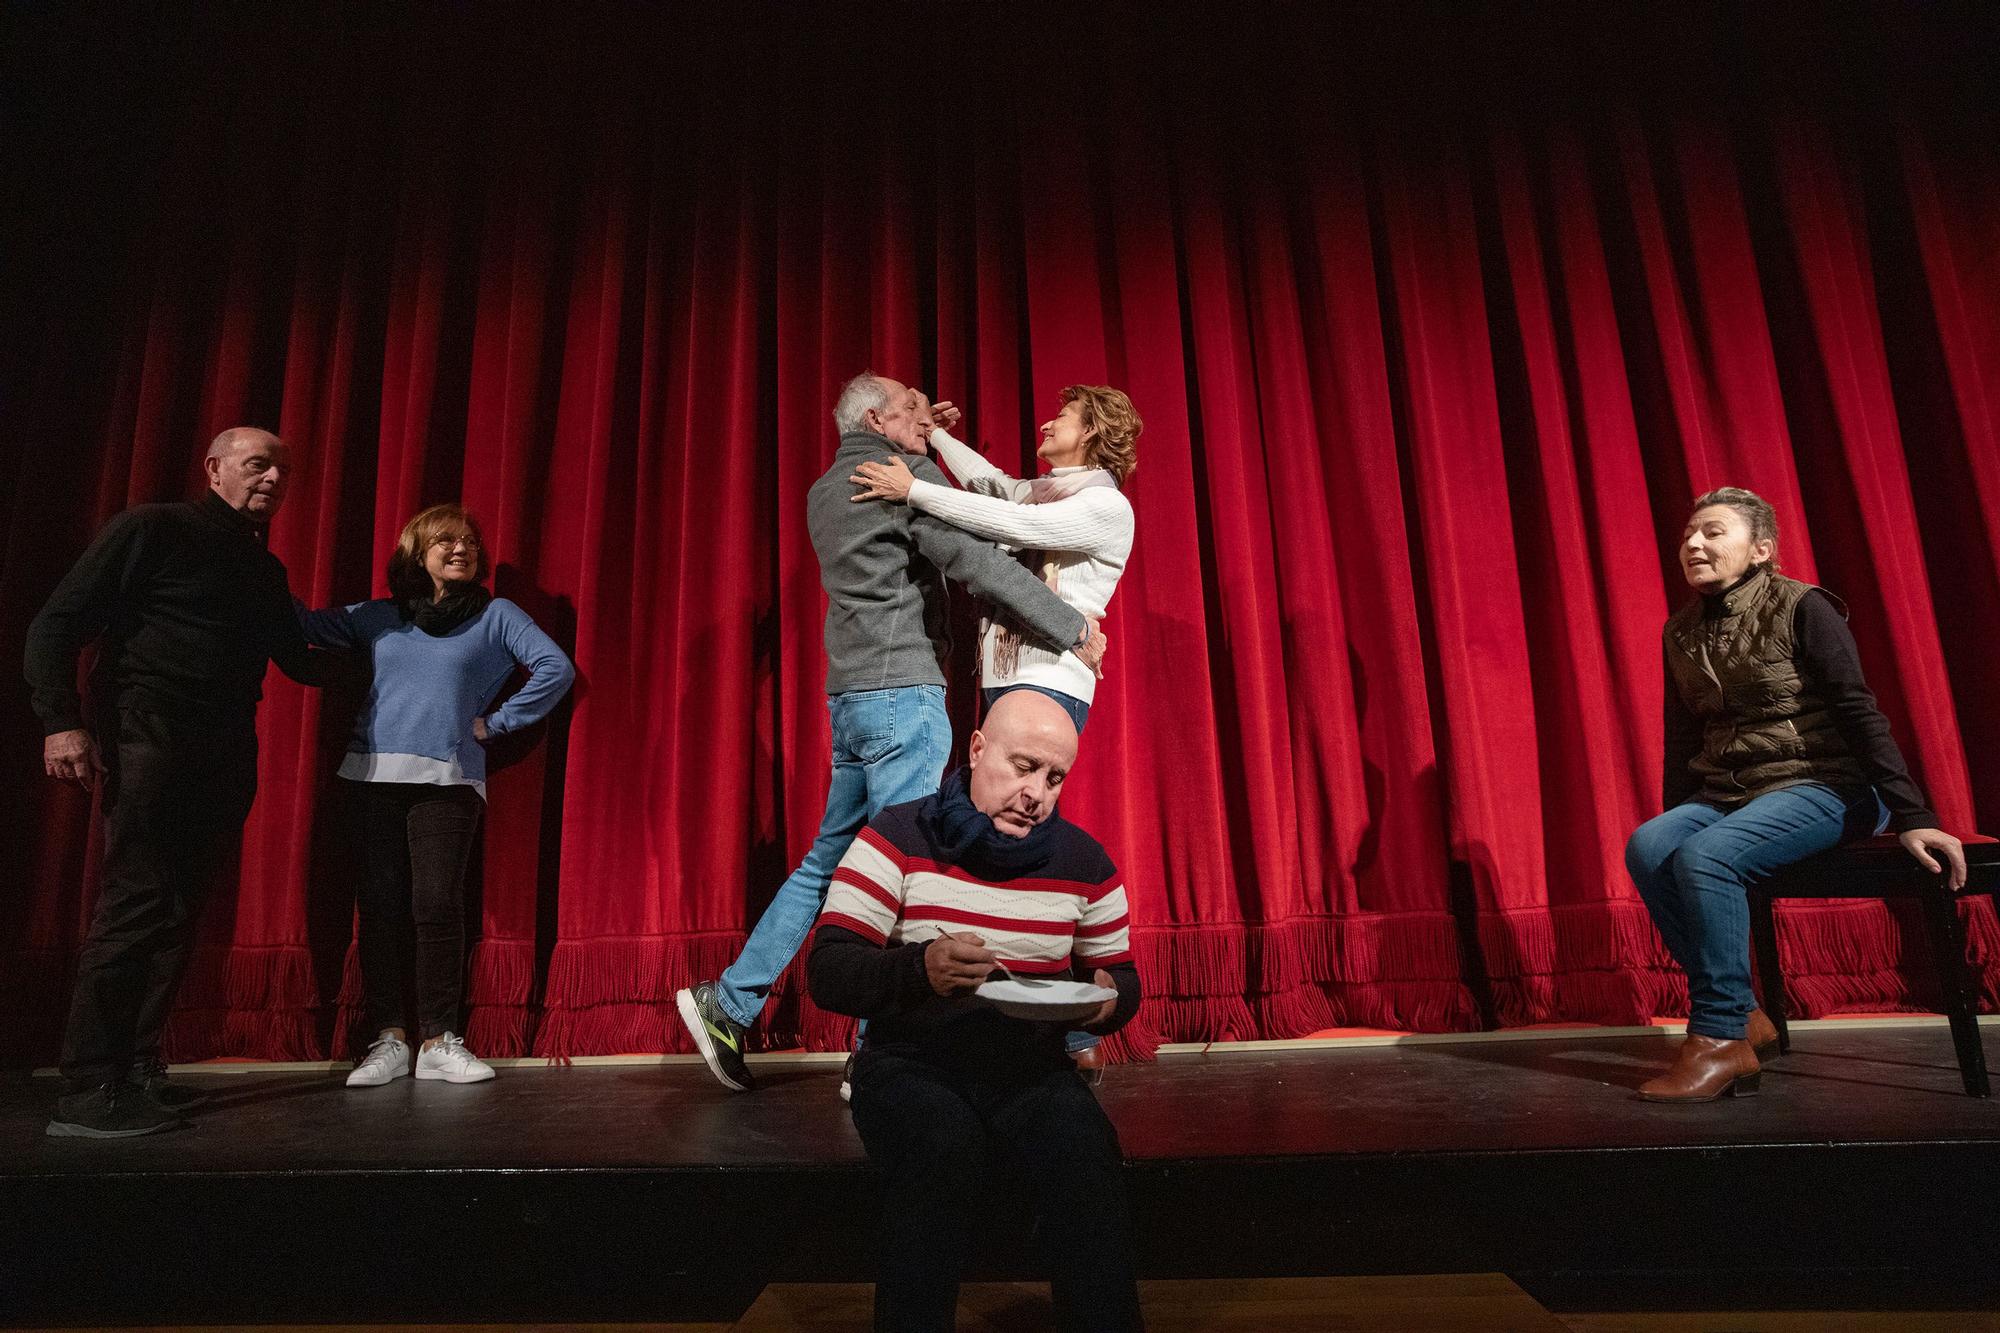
[(417, 837), (1693, 865), (933, 1133), (174, 803)]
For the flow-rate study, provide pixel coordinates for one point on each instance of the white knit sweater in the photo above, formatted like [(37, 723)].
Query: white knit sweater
[(1075, 517)]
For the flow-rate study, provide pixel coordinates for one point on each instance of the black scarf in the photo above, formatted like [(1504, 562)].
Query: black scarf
[(440, 616), (967, 838)]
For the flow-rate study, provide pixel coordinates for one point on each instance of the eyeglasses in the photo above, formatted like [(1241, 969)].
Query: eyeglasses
[(470, 542)]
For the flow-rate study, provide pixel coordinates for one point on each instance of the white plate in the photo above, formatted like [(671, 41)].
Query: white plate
[(1045, 1000)]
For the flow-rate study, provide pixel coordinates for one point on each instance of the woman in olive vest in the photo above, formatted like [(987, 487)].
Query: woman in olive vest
[(1775, 750)]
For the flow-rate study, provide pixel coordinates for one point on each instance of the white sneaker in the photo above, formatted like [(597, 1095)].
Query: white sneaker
[(449, 1060), (387, 1060)]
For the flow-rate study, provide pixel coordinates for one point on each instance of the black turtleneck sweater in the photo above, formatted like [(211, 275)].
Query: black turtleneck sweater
[(1824, 649), (189, 604)]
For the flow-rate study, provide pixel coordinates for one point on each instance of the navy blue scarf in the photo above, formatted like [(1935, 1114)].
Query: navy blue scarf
[(969, 840)]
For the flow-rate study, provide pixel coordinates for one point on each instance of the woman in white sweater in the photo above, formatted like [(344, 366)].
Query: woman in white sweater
[(1072, 524)]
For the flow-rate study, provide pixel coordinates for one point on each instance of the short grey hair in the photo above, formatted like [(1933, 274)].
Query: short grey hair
[(860, 395)]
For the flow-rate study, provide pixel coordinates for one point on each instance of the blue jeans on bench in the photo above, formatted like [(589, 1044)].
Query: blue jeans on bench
[(1692, 864)]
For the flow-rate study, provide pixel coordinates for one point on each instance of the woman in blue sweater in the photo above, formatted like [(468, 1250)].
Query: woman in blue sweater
[(441, 646)]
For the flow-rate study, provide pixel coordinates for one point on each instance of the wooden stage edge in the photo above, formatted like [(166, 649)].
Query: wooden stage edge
[(1439, 1303), (1336, 1039), (1860, 1178)]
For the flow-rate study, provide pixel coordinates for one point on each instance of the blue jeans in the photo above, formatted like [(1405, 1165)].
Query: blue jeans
[(1691, 866), (889, 746), (1077, 709)]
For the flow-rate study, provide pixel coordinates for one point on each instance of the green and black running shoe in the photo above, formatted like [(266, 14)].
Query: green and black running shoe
[(720, 1038)]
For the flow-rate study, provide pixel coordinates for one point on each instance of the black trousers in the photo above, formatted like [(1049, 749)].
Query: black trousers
[(935, 1132), (173, 806), (417, 838)]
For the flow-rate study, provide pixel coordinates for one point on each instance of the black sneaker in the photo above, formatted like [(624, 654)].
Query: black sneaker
[(847, 1079), (718, 1037), (150, 1077), (109, 1111)]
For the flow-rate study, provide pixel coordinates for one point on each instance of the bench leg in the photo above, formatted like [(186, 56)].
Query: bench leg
[(1947, 934), (1770, 973)]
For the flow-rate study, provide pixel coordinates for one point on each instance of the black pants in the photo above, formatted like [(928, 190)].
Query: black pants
[(174, 803), (417, 838), (934, 1133)]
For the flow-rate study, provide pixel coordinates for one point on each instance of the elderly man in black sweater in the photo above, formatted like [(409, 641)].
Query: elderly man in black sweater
[(931, 899), (187, 606)]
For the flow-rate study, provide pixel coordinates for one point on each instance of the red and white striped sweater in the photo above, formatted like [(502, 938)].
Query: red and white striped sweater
[(897, 889), (895, 895)]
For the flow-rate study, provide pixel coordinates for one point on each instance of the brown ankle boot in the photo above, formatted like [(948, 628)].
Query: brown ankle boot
[(1706, 1068), (1090, 1063), (1762, 1034)]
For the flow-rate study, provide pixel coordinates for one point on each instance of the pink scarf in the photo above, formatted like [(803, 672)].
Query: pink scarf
[(1043, 489)]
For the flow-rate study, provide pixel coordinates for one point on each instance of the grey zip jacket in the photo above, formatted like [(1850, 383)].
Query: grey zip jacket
[(883, 566)]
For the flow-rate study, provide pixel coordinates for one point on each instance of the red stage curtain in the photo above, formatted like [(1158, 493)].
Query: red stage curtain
[(1436, 326)]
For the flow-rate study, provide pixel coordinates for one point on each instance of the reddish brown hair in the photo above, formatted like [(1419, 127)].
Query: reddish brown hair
[(407, 576), (1111, 427)]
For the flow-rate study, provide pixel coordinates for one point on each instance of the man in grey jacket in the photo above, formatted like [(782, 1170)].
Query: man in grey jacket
[(883, 568)]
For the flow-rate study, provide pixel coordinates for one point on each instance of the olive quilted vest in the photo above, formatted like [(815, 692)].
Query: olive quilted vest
[(1763, 725)]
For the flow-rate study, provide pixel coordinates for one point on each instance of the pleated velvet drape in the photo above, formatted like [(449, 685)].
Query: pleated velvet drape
[(1437, 323)]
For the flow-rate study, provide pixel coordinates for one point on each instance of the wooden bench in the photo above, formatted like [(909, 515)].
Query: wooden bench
[(1880, 868)]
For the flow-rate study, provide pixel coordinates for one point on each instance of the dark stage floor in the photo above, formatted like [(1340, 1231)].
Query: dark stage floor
[(1861, 1175)]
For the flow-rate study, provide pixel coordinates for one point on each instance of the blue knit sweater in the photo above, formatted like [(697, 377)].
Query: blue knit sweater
[(428, 689)]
